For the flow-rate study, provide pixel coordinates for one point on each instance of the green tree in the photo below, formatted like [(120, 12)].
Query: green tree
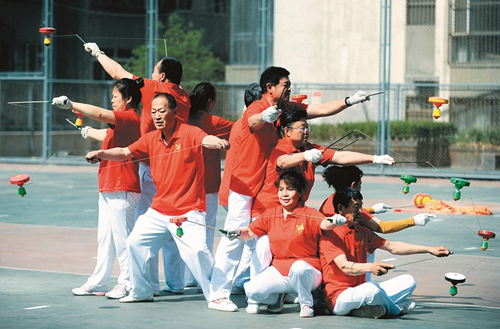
[(186, 44)]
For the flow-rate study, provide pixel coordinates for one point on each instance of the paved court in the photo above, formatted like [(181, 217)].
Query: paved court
[(47, 247)]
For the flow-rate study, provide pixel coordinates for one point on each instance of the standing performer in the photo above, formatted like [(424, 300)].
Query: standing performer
[(119, 188), (294, 231), (203, 99), (254, 141), (175, 153), (166, 78), (343, 262)]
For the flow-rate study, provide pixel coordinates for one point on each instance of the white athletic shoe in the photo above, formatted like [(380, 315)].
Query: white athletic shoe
[(119, 291), (223, 304), (306, 311), (130, 299), (406, 306), (87, 291), (253, 308), (174, 291), (369, 311)]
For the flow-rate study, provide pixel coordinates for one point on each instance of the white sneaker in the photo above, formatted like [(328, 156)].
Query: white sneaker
[(253, 308), (119, 291), (306, 311), (369, 311), (406, 306), (130, 299), (87, 291), (223, 304), (174, 291)]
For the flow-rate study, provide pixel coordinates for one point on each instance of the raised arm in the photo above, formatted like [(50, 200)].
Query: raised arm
[(113, 68)]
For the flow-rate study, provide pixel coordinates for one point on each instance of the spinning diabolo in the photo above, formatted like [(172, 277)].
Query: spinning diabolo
[(459, 183), (408, 179), (454, 278), (47, 31), (19, 180), (486, 235), (299, 98), (79, 121), (437, 101), (178, 221)]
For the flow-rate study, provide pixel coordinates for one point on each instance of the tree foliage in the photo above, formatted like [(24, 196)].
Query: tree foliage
[(186, 44)]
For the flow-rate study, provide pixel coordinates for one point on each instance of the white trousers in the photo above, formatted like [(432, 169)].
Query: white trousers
[(148, 191), (266, 286), (116, 220), (150, 233), (386, 294), (176, 274), (229, 252)]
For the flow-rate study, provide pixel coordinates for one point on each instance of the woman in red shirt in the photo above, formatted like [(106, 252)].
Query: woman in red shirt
[(119, 188), (294, 231)]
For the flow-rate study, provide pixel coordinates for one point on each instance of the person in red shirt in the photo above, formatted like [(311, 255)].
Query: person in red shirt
[(294, 152), (294, 231), (119, 188), (166, 78), (256, 138), (203, 99), (343, 263), (175, 154)]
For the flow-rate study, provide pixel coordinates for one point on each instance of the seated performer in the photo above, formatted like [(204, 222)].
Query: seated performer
[(294, 231), (343, 261)]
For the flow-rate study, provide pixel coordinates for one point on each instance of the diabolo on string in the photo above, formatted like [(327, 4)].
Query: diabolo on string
[(408, 179), (459, 183), (47, 31), (178, 220), (19, 180), (437, 101), (486, 235), (299, 98), (79, 121), (454, 279)]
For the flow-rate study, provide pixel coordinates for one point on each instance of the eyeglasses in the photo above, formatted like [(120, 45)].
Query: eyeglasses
[(302, 129)]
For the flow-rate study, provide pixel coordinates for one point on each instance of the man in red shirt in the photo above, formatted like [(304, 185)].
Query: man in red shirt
[(175, 153), (166, 78), (343, 262), (257, 137)]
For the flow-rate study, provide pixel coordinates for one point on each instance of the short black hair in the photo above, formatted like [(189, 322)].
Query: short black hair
[(292, 178), (341, 177), (172, 103), (289, 117), (345, 196), (200, 95), (172, 69), (272, 75), (252, 93)]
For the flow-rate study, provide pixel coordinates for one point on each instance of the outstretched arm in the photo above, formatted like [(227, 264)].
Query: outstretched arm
[(114, 154), (212, 142), (403, 248), (94, 112), (334, 107)]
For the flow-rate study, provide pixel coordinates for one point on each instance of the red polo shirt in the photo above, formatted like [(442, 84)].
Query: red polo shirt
[(354, 243), (267, 197), (291, 239), (253, 150), (120, 176), (176, 168)]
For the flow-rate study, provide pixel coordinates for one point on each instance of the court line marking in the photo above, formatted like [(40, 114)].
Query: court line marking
[(36, 307), (461, 305)]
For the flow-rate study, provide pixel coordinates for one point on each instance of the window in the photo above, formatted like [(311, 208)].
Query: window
[(420, 12), (475, 31)]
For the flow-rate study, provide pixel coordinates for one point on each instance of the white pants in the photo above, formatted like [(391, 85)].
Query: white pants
[(386, 294), (150, 233), (148, 191), (176, 273), (229, 252), (116, 220), (256, 258), (266, 286)]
